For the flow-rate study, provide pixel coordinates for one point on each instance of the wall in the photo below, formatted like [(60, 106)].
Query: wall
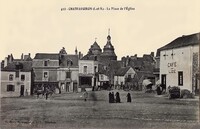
[(103, 77), (39, 75), (16, 82), (39, 69), (130, 72), (118, 80), (61, 74), (90, 66), (181, 61)]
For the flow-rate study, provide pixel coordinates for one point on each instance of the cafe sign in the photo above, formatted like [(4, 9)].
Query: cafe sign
[(172, 67)]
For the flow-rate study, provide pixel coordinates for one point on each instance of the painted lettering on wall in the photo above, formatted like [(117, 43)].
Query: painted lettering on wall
[(172, 67)]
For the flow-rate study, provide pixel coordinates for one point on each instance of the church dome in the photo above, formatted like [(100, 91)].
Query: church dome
[(95, 46), (95, 49)]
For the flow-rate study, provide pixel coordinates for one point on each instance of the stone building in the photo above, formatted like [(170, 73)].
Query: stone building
[(45, 67), (68, 71), (58, 71), (16, 76), (104, 59), (179, 63)]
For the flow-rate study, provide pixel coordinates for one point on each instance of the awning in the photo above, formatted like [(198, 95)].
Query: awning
[(146, 82)]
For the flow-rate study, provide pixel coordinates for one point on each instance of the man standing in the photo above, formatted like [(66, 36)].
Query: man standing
[(128, 97), (118, 100), (85, 95)]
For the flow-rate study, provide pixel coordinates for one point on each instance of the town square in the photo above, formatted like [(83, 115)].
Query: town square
[(69, 110), (99, 65)]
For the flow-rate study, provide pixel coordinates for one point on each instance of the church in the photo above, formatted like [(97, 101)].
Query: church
[(95, 66)]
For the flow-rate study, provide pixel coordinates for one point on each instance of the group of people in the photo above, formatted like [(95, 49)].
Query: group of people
[(116, 98)]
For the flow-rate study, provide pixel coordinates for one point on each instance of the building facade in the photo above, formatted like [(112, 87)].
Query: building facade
[(16, 79), (124, 78), (45, 67), (179, 63), (68, 71), (88, 78)]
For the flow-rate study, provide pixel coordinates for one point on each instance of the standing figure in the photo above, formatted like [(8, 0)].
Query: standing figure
[(110, 97), (128, 97), (85, 95), (158, 90), (117, 97)]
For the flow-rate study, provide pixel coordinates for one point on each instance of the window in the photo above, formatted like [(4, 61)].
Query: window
[(45, 63), (22, 77), (17, 73), (10, 88), (95, 69), (85, 69), (129, 76), (95, 58), (45, 74), (180, 78), (11, 77), (68, 74), (102, 77)]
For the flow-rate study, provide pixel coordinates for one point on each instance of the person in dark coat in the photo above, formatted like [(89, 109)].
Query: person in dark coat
[(118, 100), (158, 90), (128, 97), (110, 97)]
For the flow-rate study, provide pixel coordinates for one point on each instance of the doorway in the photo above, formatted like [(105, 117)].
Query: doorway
[(22, 90), (75, 87), (67, 86), (163, 82)]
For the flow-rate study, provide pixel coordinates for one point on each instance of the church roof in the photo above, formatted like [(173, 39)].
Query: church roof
[(95, 46), (182, 41)]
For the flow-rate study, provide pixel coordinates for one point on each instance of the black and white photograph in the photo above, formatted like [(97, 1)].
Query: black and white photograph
[(83, 64)]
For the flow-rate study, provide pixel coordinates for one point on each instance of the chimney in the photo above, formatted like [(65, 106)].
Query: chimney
[(135, 55), (5, 62), (22, 56), (80, 55), (152, 54)]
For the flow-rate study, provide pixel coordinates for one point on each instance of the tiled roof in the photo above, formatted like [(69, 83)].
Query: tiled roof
[(182, 41), (52, 56), (122, 71), (67, 58), (95, 46), (90, 57), (27, 66)]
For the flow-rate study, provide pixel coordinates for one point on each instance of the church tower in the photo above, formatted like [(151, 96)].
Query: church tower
[(95, 49), (108, 50)]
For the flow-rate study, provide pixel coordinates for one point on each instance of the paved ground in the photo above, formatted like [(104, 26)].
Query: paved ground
[(70, 111)]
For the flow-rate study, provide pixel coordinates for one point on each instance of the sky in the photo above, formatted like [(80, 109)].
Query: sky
[(39, 26)]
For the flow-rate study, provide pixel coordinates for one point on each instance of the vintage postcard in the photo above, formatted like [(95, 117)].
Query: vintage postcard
[(83, 64)]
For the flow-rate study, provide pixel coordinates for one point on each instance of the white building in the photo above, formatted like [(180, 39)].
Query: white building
[(16, 79), (68, 73), (179, 63), (87, 74), (124, 75)]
